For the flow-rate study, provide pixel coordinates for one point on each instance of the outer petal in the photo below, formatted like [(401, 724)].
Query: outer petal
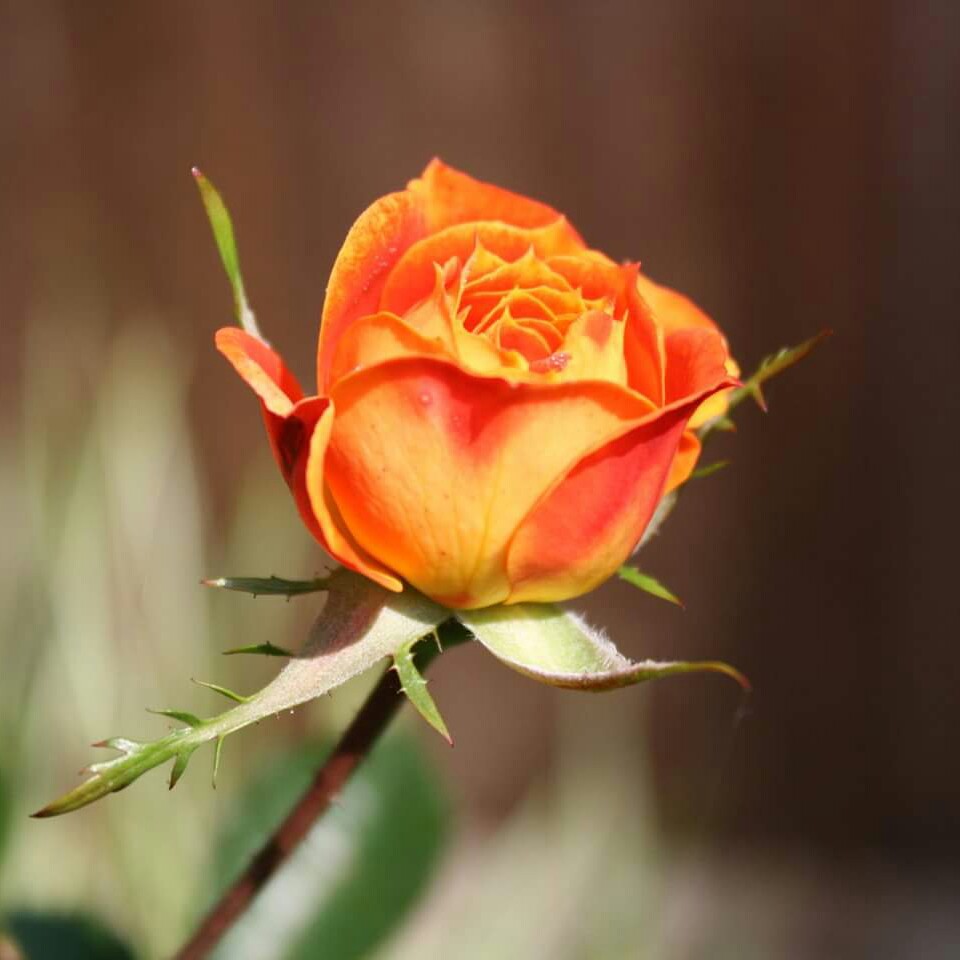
[(262, 368), (266, 374), (334, 534), (675, 312), (586, 526), (374, 244), (434, 469), (696, 358), (298, 429), (452, 197), (688, 453), (643, 346)]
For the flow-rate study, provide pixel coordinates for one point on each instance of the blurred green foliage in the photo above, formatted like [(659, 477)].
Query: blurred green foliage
[(359, 870), (38, 936), (105, 512)]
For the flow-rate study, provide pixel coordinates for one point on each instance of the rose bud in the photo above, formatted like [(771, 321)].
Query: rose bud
[(499, 408)]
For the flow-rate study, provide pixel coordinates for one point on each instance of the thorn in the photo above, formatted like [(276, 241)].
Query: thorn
[(195, 171)]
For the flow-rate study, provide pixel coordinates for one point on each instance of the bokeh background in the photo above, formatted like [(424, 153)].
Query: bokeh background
[(791, 166)]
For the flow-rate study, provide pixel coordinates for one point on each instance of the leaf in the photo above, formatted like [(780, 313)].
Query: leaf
[(189, 719), (269, 586), (648, 584), (545, 642), (769, 367), (709, 470), (65, 936), (415, 687), (360, 625), (222, 227), (179, 766), (360, 869), (223, 691)]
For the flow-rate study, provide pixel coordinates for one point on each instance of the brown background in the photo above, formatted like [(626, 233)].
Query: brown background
[(792, 166)]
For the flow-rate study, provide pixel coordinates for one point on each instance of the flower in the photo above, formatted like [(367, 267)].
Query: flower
[(499, 409)]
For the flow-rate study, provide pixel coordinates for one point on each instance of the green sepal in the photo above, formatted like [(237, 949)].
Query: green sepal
[(222, 227), (190, 719), (269, 586), (723, 424), (360, 625), (648, 584), (769, 367), (415, 687), (547, 643), (179, 765), (264, 649), (223, 691), (709, 469)]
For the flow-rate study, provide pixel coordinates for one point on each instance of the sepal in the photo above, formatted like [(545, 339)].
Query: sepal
[(360, 625), (222, 227), (269, 586), (408, 665), (552, 645), (646, 583)]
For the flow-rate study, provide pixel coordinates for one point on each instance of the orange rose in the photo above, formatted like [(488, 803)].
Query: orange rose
[(499, 408)]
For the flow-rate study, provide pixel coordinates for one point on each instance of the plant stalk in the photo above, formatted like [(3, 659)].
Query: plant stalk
[(358, 739)]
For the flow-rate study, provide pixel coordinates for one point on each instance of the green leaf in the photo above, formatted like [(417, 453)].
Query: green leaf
[(361, 868), (415, 687), (648, 584), (190, 719), (360, 625), (223, 691), (709, 470), (179, 766), (769, 367), (222, 227), (65, 936), (269, 586), (545, 642)]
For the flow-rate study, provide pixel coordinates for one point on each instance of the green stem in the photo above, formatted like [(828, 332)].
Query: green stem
[(367, 726)]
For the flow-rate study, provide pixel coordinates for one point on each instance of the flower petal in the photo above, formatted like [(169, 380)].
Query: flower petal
[(673, 310), (262, 368), (643, 346), (374, 244), (688, 453), (696, 359), (433, 469), (266, 374), (587, 525), (452, 197), (333, 532), (594, 343), (412, 278)]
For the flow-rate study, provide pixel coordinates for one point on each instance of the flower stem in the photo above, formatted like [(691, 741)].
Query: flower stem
[(367, 726)]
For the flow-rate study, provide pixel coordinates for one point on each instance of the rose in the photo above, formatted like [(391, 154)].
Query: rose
[(499, 408)]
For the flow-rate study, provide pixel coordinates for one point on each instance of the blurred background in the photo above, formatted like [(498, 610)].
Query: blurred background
[(792, 167)]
